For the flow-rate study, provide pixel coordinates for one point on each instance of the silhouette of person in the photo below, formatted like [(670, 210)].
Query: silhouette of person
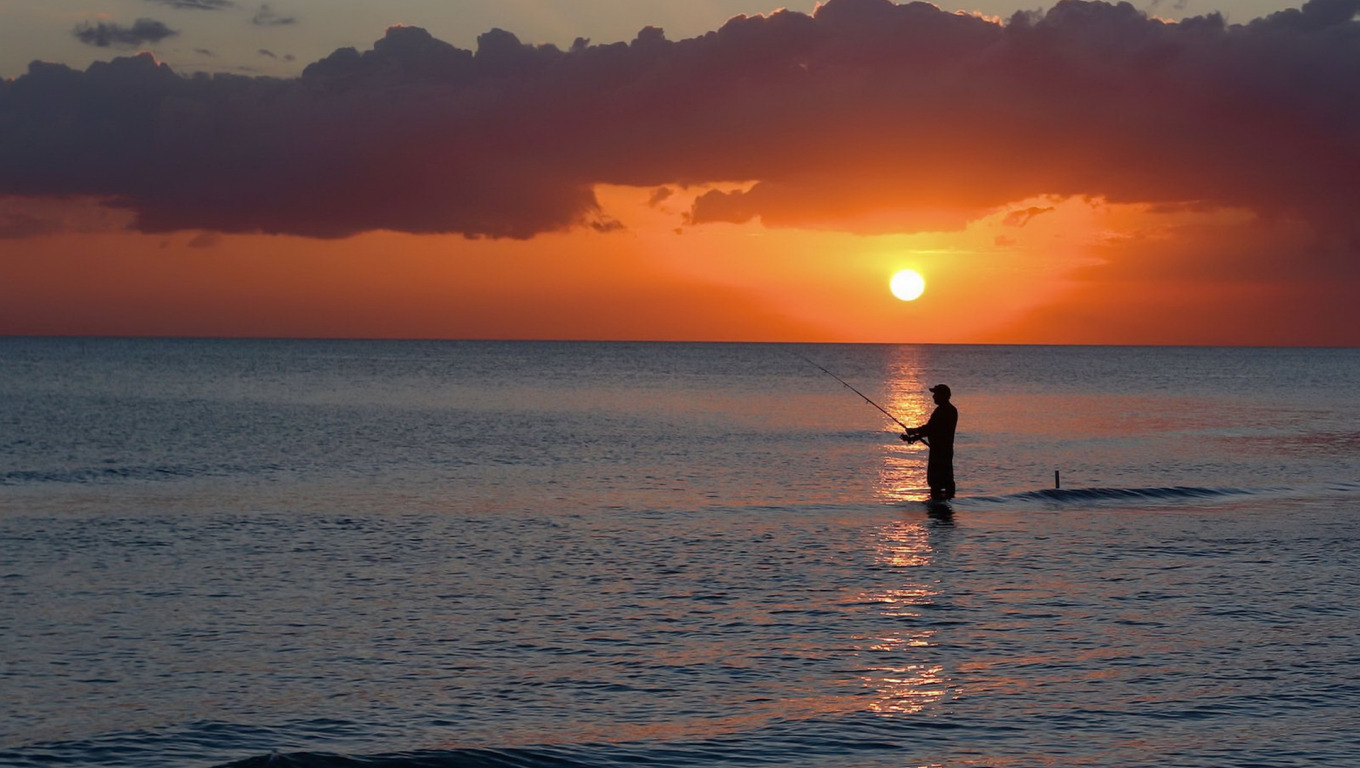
[(938, 433)]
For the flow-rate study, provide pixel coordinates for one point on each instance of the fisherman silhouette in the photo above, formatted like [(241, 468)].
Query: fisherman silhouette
[(938, 433)]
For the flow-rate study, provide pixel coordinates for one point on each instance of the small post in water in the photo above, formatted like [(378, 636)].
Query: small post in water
[(1056, 483)]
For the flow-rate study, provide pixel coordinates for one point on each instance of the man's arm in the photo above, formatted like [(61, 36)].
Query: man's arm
[(921, 433)]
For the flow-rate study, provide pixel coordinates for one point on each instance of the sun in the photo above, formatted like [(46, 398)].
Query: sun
[(908, 285)]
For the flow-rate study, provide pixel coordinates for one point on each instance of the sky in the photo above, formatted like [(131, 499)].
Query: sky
[(1175, 172)]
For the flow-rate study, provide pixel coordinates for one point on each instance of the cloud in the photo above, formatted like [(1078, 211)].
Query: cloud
[(141, 32), (1022, 217), (17, 225), (205, 240), (659, 196), (863, 116), (267, 17), (22, 217), (197, 5)]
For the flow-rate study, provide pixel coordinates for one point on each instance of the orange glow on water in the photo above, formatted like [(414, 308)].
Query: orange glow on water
[(903, 683), (902, 474)]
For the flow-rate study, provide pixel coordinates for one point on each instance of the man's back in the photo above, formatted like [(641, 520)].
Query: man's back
[(940, 428)]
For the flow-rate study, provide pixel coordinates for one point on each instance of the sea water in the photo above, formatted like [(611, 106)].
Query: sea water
[(346, 553)]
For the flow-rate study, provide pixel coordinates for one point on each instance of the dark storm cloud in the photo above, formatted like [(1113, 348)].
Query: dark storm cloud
[(862, 106), (141, 32)]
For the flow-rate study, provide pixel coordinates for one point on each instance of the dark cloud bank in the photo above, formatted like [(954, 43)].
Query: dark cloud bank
[(864, 103)]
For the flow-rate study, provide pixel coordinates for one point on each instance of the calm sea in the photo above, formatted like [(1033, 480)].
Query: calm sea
[(445, 554)]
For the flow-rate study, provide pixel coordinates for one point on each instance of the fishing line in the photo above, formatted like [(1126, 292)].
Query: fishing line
[(852, 389)]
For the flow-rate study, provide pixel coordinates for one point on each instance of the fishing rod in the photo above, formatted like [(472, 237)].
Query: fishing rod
[(856, 391)]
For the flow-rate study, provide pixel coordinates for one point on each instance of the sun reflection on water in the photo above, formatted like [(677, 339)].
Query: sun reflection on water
[(902, 476), (904, 544), (908, 690), (900, 673)]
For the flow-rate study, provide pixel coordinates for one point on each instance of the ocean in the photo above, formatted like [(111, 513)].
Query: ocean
[(532, 554)]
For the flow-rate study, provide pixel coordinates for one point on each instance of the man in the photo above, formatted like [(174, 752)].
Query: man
[(938, 433)]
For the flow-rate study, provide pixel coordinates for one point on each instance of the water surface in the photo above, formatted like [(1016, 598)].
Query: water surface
[(421, 553)]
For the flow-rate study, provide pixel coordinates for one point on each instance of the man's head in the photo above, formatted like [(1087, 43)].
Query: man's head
[(941, 393)]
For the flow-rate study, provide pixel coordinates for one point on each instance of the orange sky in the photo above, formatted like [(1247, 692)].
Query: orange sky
[(678, 203), (1078, 272)]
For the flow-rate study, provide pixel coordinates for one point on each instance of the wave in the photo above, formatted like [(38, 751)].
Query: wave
[(837, 741), (457, 758), (861, 739), (1060, 498), (1086, 496), (574, 756), (852, 739), (131, 473)]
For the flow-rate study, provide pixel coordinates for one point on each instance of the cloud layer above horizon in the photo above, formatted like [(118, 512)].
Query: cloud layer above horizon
[(864, 116)]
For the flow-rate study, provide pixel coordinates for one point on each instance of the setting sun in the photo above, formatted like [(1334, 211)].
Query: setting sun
[(908, 285)]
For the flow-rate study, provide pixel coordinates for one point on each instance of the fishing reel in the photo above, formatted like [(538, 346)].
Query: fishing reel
[(909, 438)]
